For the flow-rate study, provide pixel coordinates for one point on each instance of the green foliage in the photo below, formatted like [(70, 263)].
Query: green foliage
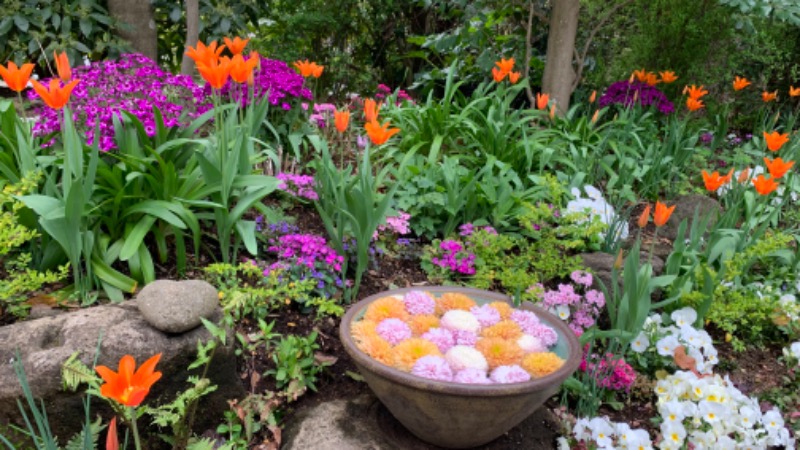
[(17, 278), (783, 10), (31, 30), (296, 367)]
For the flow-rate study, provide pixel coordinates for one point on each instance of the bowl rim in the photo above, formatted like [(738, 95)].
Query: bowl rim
[(446, 387)]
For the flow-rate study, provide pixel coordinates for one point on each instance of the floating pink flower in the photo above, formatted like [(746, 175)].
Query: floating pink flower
[(472, 376), (486, 315), (442, 337), (393, 330), (510, 374), (418, 303), (467, 338), (546, 335), (432, 368), (459, 320), (462, 357), (525, 319)]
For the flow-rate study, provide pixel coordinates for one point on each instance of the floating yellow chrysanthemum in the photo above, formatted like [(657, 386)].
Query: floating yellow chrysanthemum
[(420, 324), (453, 300), (505, 329), (541, 364), (499, 352), (386, 308), (406, 353)]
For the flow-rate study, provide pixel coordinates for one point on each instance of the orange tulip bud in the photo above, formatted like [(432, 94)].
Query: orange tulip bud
[(62, 66), (644, 217), (341, 119)]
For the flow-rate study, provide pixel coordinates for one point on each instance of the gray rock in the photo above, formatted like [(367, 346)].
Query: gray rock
[(44, 344), (601, 265), (685, 207), (363, 423), (177, 306)]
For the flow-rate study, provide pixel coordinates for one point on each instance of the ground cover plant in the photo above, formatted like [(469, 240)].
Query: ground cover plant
[(649, 216)]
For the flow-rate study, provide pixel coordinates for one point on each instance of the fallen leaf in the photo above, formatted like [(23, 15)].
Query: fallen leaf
[(325, 360), (354, 375)]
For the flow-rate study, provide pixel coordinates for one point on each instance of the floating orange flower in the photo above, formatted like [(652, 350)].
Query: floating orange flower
[(693, 104), (16, 77), (505, 329), (112, 441), (378, 133), (542, 100), (513, 77), (794, 92), (640, 75), (668, 76), (377, 348), (407, 352), (644, 217), (371, 109), (740, 83), (662, 213), (62, 66), (777, 167), (714, 181), (341, 119), (309, 69), (593, 97), (541, 364), (775, 140), (242, 69), (216, 73), (764, 185), (500, 352), (202, 54), (695, 92), (453, 300), (503, 308), (651, 79), (127, 387), (237, 45), (386, 308), (56, 96), (769, 96), (498, 75), (421, 323), (505, 65)]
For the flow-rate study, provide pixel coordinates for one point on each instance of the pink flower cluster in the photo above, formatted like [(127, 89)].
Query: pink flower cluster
[(580, 311), (307, 250), (398, 224), (468, 229), (301, 186), (455, 258), (609, 372)]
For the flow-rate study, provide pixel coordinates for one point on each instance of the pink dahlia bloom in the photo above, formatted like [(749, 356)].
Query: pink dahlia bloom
[(545, 334), (418, 302), (486, 315), (443, 338), (472, 376), (467, 338), (432, 368), (393, 330), (510, 374), (525, 319)]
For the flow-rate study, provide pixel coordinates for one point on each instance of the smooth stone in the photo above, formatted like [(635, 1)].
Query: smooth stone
[(177, 306)]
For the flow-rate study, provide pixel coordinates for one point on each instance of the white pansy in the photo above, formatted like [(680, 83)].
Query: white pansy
[(597, 206), (580, 430), (772, 421), (667, 346), (712, 412), (795, 349), (641, 343), (562, 311), (602, 431), (684, 316), (673, 434), (563, 444)]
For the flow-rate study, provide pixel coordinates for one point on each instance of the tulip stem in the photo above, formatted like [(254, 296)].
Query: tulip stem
[(136, 443)]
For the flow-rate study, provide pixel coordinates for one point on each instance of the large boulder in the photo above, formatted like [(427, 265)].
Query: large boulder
[(601, 264), (177, 306), (685, 207), (44, 344)]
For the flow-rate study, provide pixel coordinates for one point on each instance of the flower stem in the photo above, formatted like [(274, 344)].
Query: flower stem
[(136, 442)]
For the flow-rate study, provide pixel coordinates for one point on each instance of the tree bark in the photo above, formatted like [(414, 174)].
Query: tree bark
[(138, 25), (559, 73), (192, 33)]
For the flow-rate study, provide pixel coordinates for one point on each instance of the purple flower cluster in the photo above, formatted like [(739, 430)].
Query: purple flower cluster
[(609, 372), (626, 94), (274, 80), (398, 224), (322, 114), (383, 91), (579, 311), (307, 255), (134, 84), (301, 186), (468, 229), (455, 258)]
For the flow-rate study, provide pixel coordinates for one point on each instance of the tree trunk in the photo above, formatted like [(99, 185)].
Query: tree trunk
[(192, 33), (138, 25), (558, 71)]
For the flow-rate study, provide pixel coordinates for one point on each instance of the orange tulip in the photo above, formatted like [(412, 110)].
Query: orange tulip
[(237, 45), (595, 116), (769, 96), (644, 217), (62, 66), (695, 92), (127, 387), (241, 70), (56, 96), (777, 167), (309, 69), (714, 180), (205, 55), (112, 441), (640, 75), (341, 119), (764, 185), (668, 76), (743, 175), (513, 77), (217, 72), (542, 100), (593, 97), (651, 79), (740, 83), (775, 140), (662, 213), (378, 133), (505, 65), (693, 104), (552, 112), (16, 77), (794, 92), (371, 110), (727, 178), (498, 75)]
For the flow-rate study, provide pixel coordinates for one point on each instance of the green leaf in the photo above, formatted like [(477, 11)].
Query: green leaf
[(134, 239)]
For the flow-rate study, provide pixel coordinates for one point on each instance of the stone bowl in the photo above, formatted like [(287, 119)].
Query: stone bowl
[(455, 415)]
